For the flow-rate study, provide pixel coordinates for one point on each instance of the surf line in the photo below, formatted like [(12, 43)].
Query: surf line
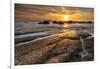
[(39, 39)]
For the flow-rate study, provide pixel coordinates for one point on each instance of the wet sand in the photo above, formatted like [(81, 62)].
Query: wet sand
[(55, 48)]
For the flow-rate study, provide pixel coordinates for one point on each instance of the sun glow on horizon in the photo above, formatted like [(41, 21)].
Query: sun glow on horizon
[(66, 17)]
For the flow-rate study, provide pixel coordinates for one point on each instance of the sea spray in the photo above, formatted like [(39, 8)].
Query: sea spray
[(84, 51)]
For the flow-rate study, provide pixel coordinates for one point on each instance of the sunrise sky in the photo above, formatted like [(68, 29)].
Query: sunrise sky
[(44, 12)]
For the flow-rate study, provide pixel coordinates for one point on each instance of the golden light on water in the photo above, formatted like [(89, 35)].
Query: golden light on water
[(69, 33), (65, 25)]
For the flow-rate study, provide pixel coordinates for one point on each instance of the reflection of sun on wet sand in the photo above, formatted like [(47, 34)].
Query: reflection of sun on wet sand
[(60, 47)]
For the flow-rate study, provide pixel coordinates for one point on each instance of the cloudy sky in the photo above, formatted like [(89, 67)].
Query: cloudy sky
[(44, 12)]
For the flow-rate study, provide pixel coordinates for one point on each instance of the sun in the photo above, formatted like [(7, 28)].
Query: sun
[(66, 17)]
